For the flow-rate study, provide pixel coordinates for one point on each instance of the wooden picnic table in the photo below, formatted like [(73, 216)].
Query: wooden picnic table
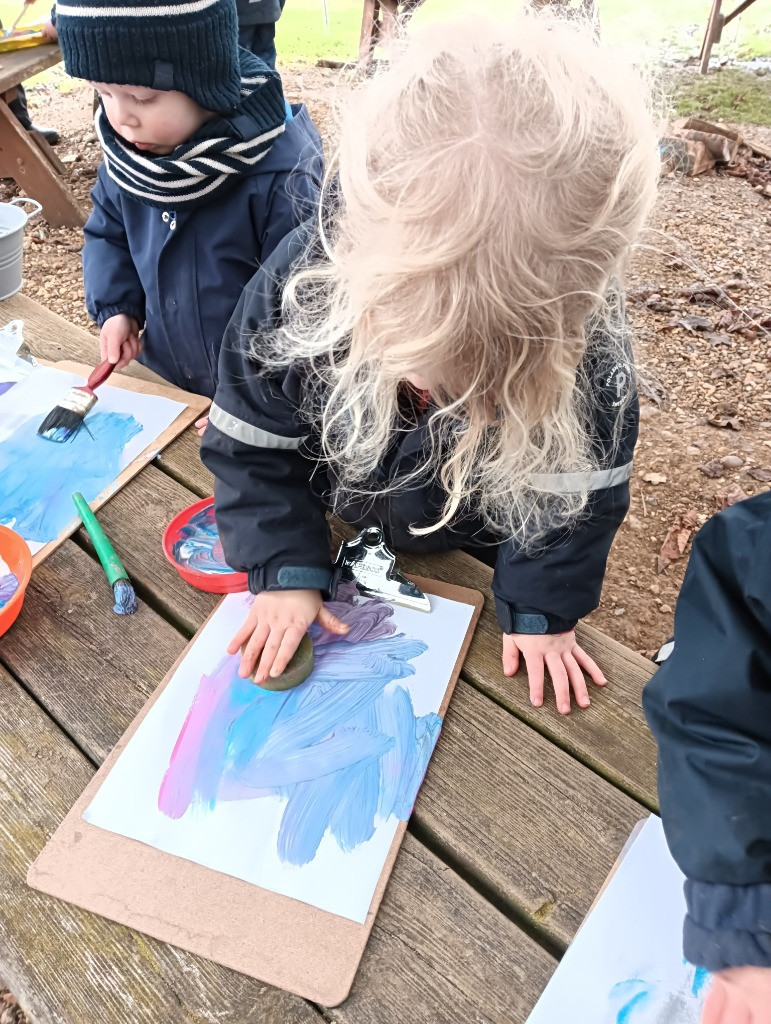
[(26, 156), (521, 816)]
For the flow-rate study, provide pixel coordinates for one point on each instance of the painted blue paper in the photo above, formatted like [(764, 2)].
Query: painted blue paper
[(39, 477), (299, 792)]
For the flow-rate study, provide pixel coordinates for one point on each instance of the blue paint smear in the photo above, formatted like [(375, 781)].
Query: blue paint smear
[(633, 994), (39, 477), (700, 978), (344, 750)]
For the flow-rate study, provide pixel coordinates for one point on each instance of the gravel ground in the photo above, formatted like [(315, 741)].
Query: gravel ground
[(706, 407)]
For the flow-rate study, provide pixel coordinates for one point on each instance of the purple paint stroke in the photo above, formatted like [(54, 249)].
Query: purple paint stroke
[(198, 544), (9, 584), (6, 385), (343, 750), (39, 477)]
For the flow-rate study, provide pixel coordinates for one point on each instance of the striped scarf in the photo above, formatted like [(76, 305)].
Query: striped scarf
[(220, 152)]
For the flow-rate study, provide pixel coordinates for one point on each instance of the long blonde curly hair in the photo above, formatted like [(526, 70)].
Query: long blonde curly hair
[(488, 186)]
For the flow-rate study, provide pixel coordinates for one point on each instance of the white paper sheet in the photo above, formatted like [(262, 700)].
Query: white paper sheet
[(626, 965), (304, 751), (39, 476)]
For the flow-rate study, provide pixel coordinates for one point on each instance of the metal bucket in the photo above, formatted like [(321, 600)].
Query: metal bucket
[(12, 223)]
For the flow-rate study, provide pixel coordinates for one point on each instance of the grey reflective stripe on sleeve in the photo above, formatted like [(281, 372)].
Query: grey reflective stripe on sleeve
[(599, 480), (247, 433)]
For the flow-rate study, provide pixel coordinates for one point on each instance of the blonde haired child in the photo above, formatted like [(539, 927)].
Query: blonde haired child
[(450, 357)]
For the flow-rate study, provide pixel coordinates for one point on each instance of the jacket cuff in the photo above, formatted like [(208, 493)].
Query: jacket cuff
[(108, 311), (291, 577), (528, 620), (727, 925)]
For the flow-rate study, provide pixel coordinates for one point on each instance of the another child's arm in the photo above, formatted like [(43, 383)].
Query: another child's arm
[(114, 294), (709, 707), (271, 523), (741, 995), (540, 598)]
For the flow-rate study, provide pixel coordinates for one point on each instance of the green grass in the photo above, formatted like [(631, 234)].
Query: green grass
[(637, 24), (728, 95)]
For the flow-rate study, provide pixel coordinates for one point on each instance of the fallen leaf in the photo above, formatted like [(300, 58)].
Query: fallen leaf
[(677, 538), (655, 478), (713, 468), (729, 496), (719, 339), (699, 292), (695, 323), (722, 420), (652, 389), (762, 473), (659, 305)]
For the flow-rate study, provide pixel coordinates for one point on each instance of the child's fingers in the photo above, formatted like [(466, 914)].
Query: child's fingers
[(331, 622), (510, 656), (286, 650), (535, 672), (269, 652), (589, 666), (241, 637), (577, 681), (253, 650), (560, 682)]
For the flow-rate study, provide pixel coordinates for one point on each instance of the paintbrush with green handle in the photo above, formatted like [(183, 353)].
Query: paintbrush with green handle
[(117, 577)]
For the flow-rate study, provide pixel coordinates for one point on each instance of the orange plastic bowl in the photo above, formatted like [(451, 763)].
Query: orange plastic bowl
[(191, 544), (15, 553)]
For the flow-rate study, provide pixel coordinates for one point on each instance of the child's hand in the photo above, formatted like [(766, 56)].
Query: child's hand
[(200, 425), (564, 659), (49, 30), (119, 340), (741, 995), (275, 625)]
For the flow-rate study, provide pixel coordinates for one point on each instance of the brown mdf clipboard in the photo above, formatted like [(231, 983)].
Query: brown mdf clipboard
[(195, 406), (263, 934)]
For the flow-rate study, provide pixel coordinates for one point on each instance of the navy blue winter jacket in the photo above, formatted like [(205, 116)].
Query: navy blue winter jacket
[(272, 494), (709, 706), (181, 273)]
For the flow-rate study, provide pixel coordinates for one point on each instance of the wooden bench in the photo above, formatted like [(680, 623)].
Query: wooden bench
[(26, 156), (715, 25), (520, 818)]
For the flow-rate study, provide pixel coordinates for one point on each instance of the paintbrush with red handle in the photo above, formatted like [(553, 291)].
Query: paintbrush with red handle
[(66, 419)]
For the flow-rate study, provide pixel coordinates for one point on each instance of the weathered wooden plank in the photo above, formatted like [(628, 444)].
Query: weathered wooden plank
[(536, 826), (183, 460), (67, 966), (438, 950), (611, 735), (440, 953), (134, 520), (91, 669), (51, 337)]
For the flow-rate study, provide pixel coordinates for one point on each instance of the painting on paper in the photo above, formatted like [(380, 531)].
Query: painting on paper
[(300, 792), (626, 966), (39, 476)]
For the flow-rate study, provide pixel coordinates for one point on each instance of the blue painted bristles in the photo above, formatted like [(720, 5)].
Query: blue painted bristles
[(125, 598)]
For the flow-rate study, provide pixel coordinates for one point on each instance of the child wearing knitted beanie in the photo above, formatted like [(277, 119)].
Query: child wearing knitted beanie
[(205, 171)]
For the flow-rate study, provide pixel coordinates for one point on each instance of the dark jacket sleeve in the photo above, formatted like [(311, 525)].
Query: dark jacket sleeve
[(709, 707), (110, 277), (550, 589), (271, 521)]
